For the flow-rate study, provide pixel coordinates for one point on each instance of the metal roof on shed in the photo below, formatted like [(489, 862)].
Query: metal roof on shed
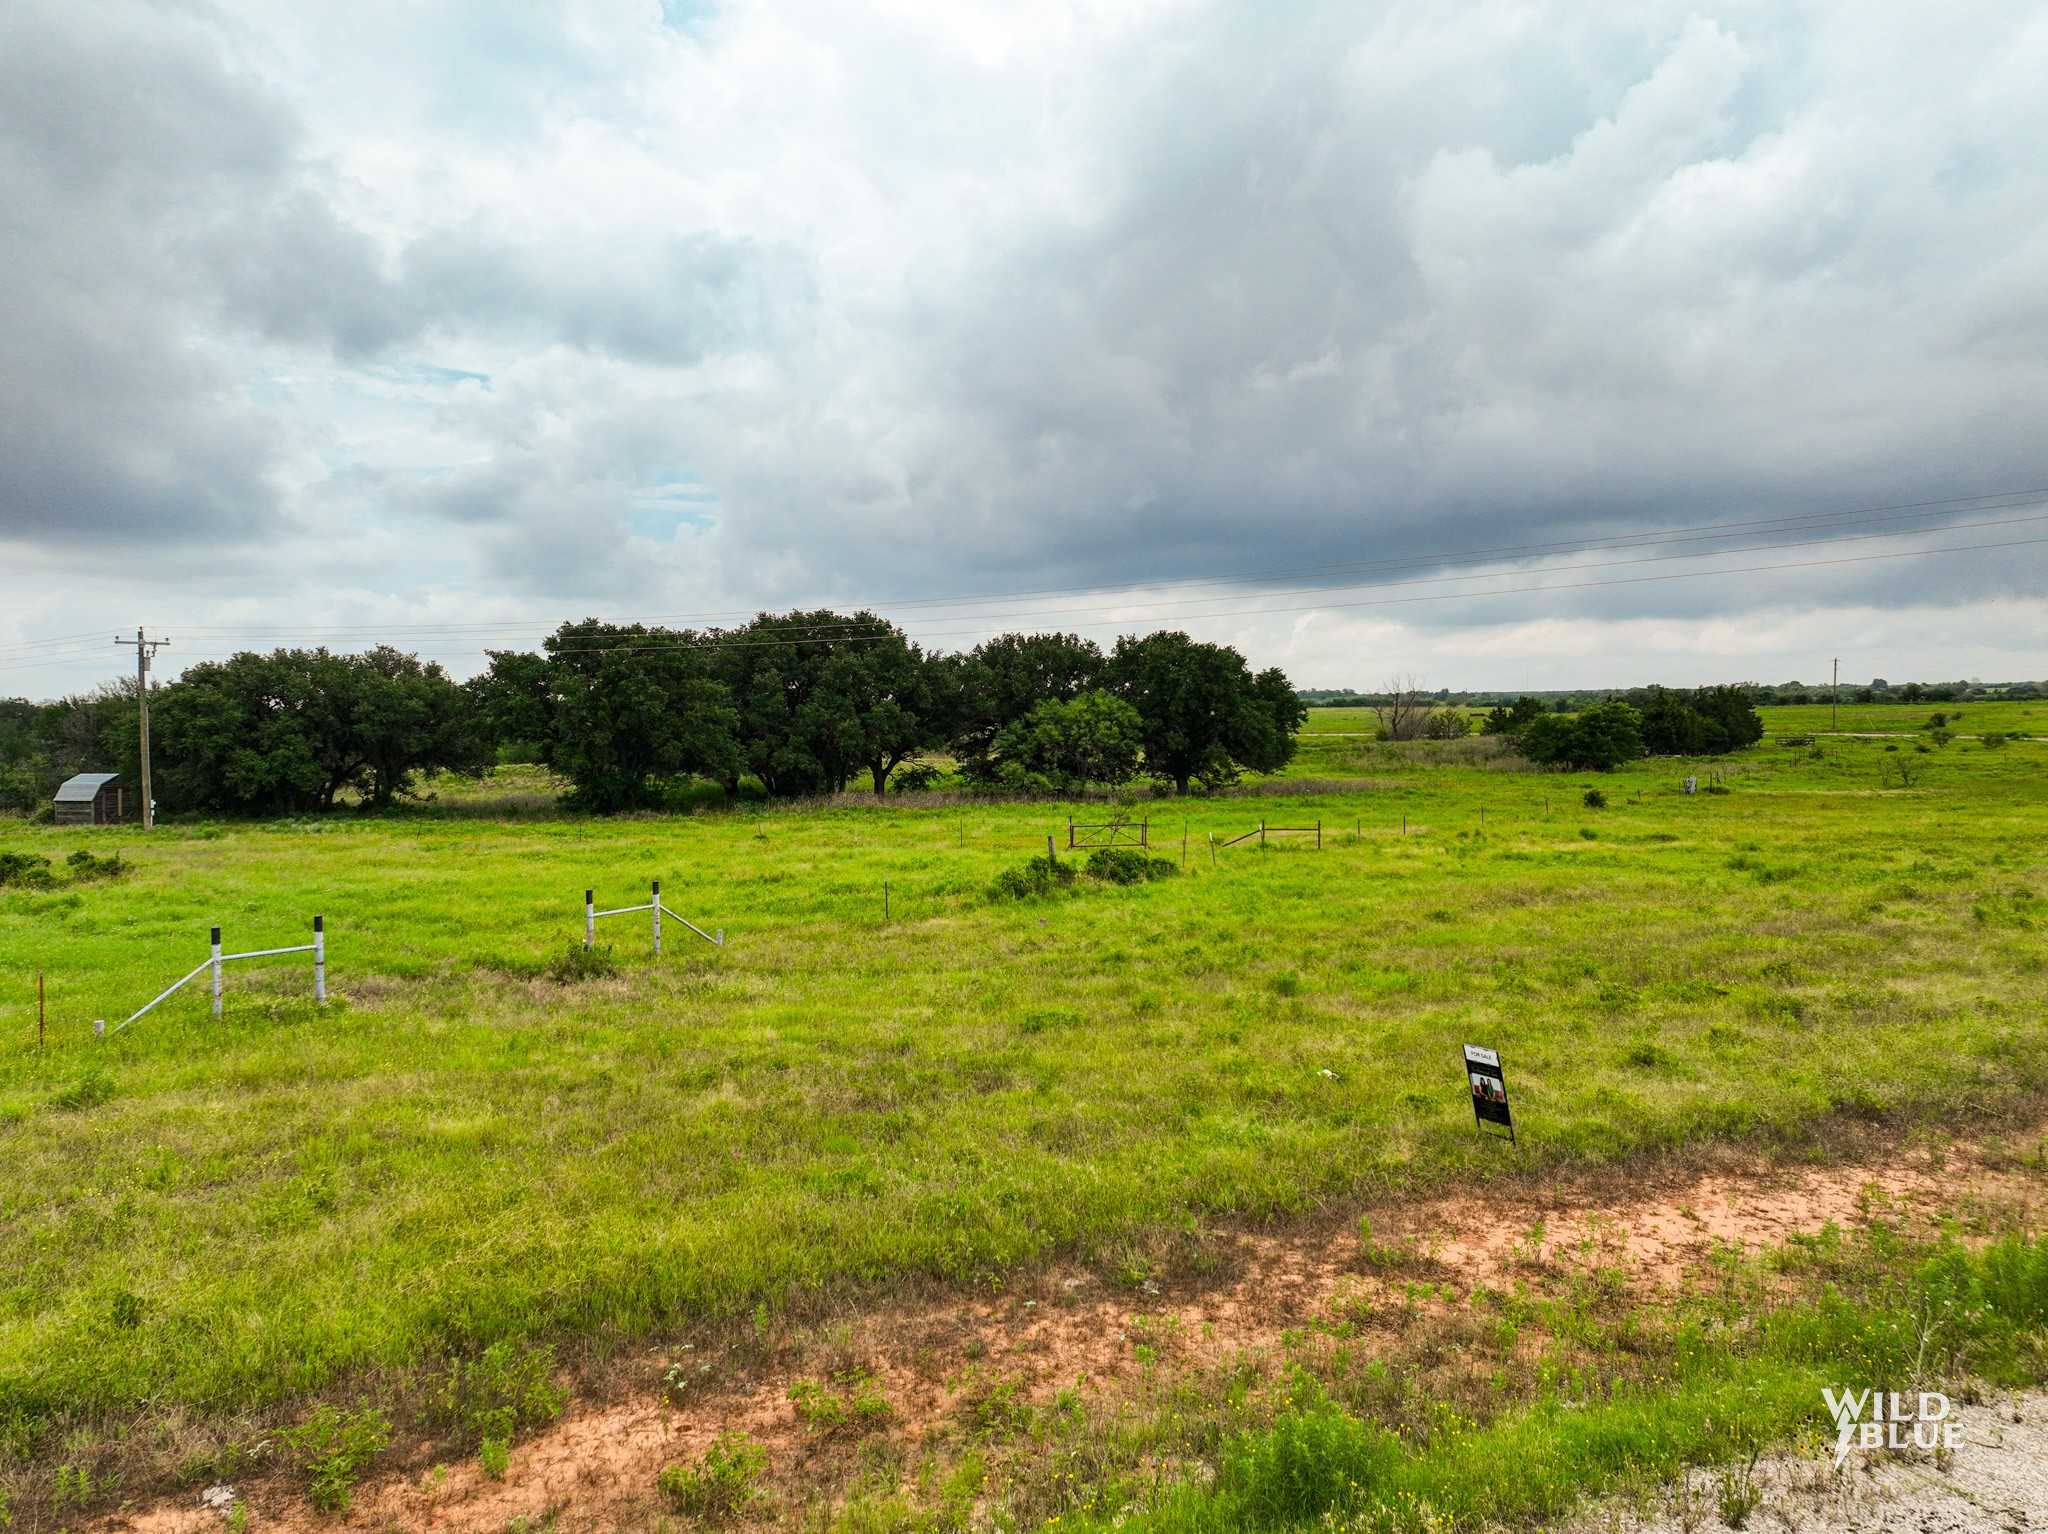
[(84, 788)]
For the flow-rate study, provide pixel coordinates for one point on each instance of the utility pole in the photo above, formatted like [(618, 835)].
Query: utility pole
[(145, 651), (1835, 697)]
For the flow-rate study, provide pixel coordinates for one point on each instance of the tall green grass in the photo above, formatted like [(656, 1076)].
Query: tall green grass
[(208, 1217), (1731, 1390)]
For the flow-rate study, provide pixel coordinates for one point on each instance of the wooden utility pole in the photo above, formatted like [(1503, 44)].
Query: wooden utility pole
[(145, 651), (1835, 697)]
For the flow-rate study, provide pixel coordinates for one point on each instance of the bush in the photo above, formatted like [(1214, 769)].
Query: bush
[(720, 1484), (332, 1448), (1121, 865), (1601, 738), (1940, 737), (24, 870), (1993, 739), (916, 778), (84, 865), (581, 963), (1034, 881), (1594, 799)]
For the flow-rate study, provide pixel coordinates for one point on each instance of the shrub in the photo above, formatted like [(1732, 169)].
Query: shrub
[(1601, 738), (1121, 865), (916, 778), (724, 1479), (1940, 737), (1991, 740), (581, 963), (332, 1448), (1034, 881), (1594, 799), (24, 870), (84, 865)]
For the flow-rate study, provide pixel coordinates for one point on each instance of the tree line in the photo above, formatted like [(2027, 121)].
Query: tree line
[(1708, 721), (794, 704), (809, 702)]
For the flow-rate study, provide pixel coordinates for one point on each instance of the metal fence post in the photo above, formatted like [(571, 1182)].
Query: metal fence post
[(216, 972), (320, 960), (657, 918), (590, 918)]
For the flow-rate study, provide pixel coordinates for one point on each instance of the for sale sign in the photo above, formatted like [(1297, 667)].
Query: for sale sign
[(1489, 1089)]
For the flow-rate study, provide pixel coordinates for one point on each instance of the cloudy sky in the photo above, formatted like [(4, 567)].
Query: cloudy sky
[(440, 322)]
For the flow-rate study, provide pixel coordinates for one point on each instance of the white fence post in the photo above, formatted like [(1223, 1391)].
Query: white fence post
[(320, 960), (216, 972), (590, 918), (657, 918)]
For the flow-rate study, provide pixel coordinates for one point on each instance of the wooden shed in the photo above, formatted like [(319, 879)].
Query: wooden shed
[(96, 799)]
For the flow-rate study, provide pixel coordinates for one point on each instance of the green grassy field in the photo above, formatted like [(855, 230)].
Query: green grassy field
[(2029, 718), (1799, 719), (208, 1217), (2026, 718)]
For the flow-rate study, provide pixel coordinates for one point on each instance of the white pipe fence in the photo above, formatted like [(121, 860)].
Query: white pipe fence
[(652, 905), (317, 948)]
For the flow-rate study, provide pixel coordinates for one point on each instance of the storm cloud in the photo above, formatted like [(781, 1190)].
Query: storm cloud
[(385, 317)]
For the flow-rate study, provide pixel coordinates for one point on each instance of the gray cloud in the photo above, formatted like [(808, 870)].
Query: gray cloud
[(953, 302)]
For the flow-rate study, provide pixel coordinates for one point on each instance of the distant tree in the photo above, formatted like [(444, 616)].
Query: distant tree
[(1401, 708), (878, 707), (791, 736), (618, 709), (1002, 680), (1094, 738), (295, 729), (1446, 724), (1599, 738), (1709, 721), (1205, 714), (1510, 718)]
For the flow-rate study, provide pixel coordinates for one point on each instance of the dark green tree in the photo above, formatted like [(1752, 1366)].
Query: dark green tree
[(878, 708), (1205, 714), (1002, 680), (798, 735), (1510, 718), (618, 709), (1095, 738), (1599, 738)]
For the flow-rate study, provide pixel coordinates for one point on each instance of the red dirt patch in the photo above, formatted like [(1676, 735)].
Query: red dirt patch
[(595, 1469)]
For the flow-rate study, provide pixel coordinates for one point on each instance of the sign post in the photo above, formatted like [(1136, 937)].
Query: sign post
[(1489, 1092)]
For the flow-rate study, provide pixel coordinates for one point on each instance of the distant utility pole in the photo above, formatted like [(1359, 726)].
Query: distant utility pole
[(145, 651), (1835, 696)]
